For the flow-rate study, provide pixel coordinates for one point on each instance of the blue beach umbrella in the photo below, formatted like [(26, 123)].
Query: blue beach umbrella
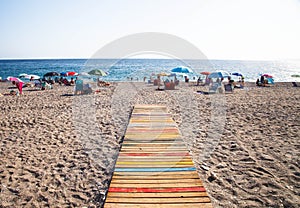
[(237, 74), (219, 74), (182, 69)]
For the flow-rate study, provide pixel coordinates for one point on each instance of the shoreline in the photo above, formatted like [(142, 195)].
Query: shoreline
[(45, 161)]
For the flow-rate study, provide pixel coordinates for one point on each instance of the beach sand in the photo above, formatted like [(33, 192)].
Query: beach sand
[(58, 150)]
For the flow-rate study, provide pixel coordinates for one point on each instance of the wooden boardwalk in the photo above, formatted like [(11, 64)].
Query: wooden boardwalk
[(154, 168)]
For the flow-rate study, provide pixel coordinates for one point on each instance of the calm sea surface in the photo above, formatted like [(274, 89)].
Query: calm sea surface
[(121, 70)]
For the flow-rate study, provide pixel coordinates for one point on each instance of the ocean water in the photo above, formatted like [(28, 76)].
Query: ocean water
[(137, 69)]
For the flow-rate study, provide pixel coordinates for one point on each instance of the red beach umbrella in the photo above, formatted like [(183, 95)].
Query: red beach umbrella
[(14, 79), (267, 75), (72, 73), (205, 73)]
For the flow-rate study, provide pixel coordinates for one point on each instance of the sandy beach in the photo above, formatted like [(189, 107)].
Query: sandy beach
[(59, 150)]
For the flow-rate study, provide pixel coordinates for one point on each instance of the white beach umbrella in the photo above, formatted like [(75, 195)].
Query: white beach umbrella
[(32, 76)]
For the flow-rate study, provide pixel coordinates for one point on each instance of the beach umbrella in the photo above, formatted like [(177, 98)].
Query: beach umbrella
[(51, 74), (237, 74), (84, 74), (267, 75), (219, 74), (14, 79), (172, 75), (182, 69), (163, 74), (72, 73), (98, 72), (65, 74), (22, 75), (205, 73), (31, 76)]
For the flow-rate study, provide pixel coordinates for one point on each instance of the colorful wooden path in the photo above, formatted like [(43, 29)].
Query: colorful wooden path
[(154, 168)]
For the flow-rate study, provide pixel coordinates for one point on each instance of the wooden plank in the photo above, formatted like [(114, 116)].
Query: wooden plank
[(147, 159), (158, 144), (141, 149), (154, 163), (150, 195), (154, 166), (154, 169), (156, 185), (162, 181), (160, 200), (151, 139), (170, 146), (141, 205), (166, 154), (173, 174), (158, 190), (154, 177)]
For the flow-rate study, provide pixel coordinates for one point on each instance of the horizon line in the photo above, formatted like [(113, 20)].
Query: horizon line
[(153, 58)]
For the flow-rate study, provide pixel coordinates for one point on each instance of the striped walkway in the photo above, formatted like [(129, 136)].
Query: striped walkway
[(154, 168)]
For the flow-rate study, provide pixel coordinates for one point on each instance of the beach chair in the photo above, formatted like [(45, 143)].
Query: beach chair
[(78, 87), (228, 88), (214, 88)]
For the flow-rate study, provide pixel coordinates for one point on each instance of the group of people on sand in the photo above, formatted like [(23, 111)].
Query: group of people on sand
[(262, 82)]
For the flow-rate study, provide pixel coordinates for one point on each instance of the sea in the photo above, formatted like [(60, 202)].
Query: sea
[(138, 69)]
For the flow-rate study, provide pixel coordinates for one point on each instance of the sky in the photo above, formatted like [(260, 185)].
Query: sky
[(231, 29)]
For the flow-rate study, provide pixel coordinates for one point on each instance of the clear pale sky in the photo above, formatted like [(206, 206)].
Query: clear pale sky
[(231, 29)]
